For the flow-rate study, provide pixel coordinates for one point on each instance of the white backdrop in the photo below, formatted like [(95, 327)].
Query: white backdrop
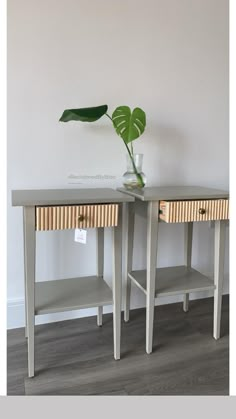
[(169, 57)]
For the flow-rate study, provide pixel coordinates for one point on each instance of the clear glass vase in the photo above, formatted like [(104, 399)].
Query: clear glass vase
[(134, 178)]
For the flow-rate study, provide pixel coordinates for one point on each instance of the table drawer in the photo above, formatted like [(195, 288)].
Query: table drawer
[(186, 211), (76, 216)]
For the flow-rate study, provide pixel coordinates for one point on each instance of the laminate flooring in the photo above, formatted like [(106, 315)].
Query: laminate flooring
[(75, 357)]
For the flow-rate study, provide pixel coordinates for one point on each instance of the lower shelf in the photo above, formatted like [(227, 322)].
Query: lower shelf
[(174, 280), (71, 294)]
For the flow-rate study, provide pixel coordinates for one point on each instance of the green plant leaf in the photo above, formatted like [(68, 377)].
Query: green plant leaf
[(129, 125), (84, 114)]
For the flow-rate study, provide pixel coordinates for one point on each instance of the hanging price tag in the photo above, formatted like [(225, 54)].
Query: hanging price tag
[(80, 235)]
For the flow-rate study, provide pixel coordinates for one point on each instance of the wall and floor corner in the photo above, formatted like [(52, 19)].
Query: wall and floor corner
[(169, 57)]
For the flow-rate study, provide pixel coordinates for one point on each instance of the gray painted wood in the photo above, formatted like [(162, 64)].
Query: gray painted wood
[(100, 266), (71, 294), (141, 208), (117, 283), (175, 284), (30, 282), (74, 357), (188, 238), (67, 196), (99, 315), (175, 193), (152, 229), (218, 274), (128, 231), (24, 238), (174, 280)]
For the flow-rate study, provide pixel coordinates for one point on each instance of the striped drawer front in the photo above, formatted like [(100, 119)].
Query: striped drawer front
[(76, 216), (186, 211)]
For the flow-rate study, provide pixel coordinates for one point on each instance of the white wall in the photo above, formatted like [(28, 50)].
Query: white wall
[(169, 57)]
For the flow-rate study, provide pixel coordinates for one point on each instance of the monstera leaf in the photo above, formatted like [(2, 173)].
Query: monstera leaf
[(129, 125), (84, 114)]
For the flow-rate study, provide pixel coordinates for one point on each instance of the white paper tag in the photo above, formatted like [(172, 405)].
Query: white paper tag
[(80, 235)]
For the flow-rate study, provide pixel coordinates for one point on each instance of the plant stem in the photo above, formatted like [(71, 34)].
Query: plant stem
[(109, 117), (139, 177), (131, 146)]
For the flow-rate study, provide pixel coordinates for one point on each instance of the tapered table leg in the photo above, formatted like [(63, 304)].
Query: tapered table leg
[(188, 238), (100, 266), (128, 232), (152, 230), (218, 274), (24, 236), (29, 218), (117, 283)]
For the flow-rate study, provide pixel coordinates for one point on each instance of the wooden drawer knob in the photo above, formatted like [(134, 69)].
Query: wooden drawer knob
[(202, 211), (81, 218)]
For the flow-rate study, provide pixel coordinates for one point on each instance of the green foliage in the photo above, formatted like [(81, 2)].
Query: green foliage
[(84, 114), (129, 125)]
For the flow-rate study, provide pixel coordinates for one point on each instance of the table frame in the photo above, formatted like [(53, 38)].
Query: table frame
[(149, 210), (29, 266)]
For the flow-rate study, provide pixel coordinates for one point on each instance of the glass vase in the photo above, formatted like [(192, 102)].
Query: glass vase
[(134, 178)]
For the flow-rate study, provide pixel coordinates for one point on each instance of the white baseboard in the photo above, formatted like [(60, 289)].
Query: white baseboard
[(16, 309)]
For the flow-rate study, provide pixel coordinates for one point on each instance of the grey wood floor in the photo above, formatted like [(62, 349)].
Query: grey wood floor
[(75, 357)]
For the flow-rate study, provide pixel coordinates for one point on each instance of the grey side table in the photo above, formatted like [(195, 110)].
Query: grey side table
[(186, 204), (60, 209)]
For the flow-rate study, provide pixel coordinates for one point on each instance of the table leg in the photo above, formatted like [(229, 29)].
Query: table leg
[(29, 217), (117, 282), (188, 238), (218, 274), (128, 232), (24, 238), (100, 266), (152, 230)]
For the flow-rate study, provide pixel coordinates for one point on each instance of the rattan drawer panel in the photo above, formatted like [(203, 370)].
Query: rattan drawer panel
[(76, 216), (187, 211)]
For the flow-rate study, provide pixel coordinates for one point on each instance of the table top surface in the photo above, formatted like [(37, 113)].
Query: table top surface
[(40, 197), (169, 193)]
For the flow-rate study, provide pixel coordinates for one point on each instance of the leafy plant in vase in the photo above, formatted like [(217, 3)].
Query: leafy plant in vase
[(128, 125)]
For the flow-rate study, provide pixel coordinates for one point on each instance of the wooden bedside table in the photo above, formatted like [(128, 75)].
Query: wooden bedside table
[(60, 209), (185, 204)]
